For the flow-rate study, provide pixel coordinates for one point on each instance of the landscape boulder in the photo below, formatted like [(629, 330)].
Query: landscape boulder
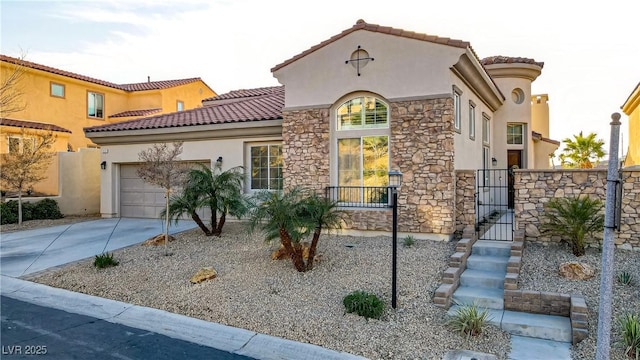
[(575, 270), (157, 240), (204, 274)]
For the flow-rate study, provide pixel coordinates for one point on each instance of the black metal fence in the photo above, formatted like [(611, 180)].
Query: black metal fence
[(360, 196), (494, 204)]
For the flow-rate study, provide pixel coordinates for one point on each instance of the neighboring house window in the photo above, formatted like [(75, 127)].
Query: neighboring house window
[(457, 122), (486, 129), (57, 90), (20, 145), (472, 120), (266, 167), (515, 134), (362, 146), (95, 105), (179, 105)]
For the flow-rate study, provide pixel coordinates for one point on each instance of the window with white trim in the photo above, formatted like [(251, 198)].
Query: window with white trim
[(18, 145), (56, 90), (265, 167), (95, 105), (515, 134), (179, 105), (472, 120), (457, 122), (486, 129), (485, 165), (362, 146)]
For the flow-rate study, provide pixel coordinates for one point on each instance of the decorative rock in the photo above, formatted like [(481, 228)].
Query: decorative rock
[(157, 240), (576, 271), (204, 274), (281, 253)]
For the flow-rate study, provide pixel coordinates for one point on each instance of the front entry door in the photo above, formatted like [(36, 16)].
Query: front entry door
[(514, 158)]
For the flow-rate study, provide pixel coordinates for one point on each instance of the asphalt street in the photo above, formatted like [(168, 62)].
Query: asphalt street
[(31, 331)]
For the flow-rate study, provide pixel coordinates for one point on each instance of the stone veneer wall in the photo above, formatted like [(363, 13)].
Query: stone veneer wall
[(534, 188), (422, 149), (465, 200)]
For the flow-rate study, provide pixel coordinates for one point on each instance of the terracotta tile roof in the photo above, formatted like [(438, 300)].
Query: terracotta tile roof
[(247, 93), (538, 137), (149, 85), (142, 112), (255, 108), (362, 25), (499, 59), (32, 125)]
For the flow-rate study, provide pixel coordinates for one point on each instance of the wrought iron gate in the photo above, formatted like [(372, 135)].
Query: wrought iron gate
[(494, 204)]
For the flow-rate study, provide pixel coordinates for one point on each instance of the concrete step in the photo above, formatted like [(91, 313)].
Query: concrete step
[(526, 348), (482, 297), (483, 278), (492, 248), (549, 327), (494, 317), (487, 262)]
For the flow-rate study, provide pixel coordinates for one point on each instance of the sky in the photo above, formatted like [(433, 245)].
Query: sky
[(590, 49)]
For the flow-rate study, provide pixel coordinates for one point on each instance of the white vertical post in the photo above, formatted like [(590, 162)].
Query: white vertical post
[(606, 275)]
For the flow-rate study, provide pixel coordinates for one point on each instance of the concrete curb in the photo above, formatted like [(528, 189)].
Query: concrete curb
[(227, 338)]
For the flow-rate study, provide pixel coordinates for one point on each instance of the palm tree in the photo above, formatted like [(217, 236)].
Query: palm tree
[(281, 215), (583, 151), (323, 213), (220, 191), (573, 218)]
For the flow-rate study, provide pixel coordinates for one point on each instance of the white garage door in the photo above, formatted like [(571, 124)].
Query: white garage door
[(137, 198)]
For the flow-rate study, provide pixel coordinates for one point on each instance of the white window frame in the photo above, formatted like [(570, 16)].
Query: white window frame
[(179, 105), (95, 105), (21, 141), (472, 120), (511, 135), (249, 162), (486, 129), (457, 112)]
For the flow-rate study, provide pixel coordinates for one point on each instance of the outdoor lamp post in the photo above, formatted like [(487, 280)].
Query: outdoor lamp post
[(395, 180)]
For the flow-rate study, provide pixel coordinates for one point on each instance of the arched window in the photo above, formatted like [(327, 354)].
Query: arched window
[(362, 145)]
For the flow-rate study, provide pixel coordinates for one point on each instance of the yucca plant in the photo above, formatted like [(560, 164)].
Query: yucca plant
[(469, 320), (625, 278), (409, 241), (573, 219), (629, 325)]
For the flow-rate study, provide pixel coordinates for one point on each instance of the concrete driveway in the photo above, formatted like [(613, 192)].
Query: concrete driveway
[(29, 251)]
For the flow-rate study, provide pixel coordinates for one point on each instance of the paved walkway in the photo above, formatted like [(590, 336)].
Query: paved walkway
[(30, 251)]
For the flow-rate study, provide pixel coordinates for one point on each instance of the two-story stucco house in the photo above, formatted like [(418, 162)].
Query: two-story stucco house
[(66, 102), (369, 100)]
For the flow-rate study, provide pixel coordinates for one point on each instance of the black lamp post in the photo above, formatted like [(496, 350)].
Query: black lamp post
[(395, 180)]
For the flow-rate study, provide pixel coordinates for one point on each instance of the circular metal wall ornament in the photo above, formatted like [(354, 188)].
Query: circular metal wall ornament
[(359, 59)]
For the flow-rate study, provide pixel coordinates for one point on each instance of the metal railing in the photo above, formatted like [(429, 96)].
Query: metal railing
[(360, 196)]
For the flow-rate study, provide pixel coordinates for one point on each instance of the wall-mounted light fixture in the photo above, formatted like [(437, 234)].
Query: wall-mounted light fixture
[(219, 161), (494, 161), (103, 165)]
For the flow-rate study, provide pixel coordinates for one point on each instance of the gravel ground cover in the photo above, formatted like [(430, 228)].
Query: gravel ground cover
[(539, 271), (268, 296)]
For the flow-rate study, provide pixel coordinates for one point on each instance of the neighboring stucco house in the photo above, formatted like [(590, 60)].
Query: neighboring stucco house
[(366, 101), (67, 102), (631, 108)]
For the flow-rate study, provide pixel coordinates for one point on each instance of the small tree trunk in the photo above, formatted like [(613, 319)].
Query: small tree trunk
[(166, 227), (19, 206), (313, 246), (223, 218), (296, 257), (202, 226), (214, 214)]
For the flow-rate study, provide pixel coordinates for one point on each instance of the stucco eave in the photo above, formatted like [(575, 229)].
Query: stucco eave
[(190, 133), (514, 70), (472, 74)]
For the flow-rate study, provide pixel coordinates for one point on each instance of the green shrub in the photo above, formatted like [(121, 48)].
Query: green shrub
[(409, 241), (105, 260), (625, 278), (629, 325), (573, 219), (363, 304), (46, 209), (469, 320), (43, 209)]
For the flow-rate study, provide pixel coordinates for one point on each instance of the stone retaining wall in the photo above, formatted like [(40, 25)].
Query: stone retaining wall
[(534, 188), (465, 200)]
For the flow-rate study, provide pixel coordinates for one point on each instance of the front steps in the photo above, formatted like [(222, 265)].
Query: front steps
[(482, 282)]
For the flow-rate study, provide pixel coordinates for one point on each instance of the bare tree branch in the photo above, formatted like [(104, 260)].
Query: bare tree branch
[(11, 90)]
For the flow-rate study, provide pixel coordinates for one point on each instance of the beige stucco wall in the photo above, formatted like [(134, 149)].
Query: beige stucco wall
[(541, 151), (632, 109), (402, 68), (540, 114), (79, 182), (233, 152)]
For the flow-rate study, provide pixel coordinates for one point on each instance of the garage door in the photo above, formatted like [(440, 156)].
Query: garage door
[(137, 198)]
